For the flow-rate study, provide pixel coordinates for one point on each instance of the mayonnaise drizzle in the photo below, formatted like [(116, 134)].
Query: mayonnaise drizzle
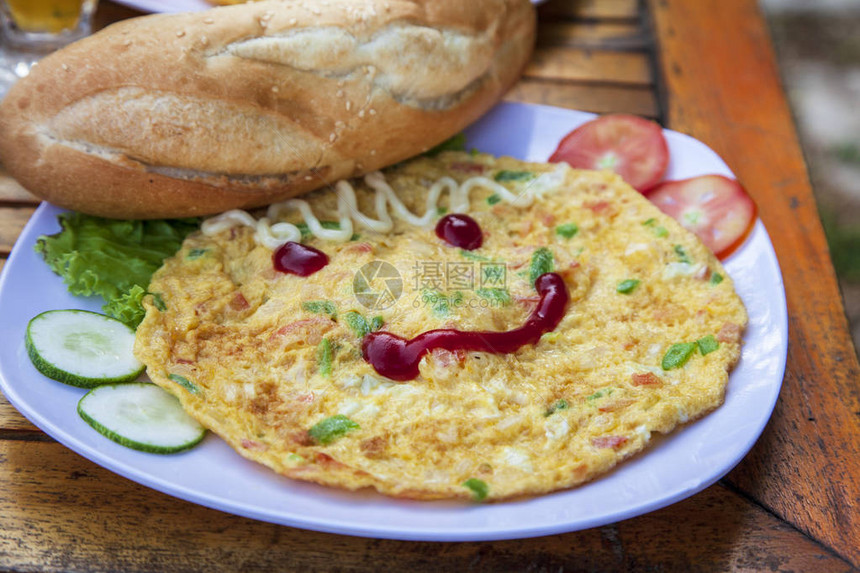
[(272, 233)]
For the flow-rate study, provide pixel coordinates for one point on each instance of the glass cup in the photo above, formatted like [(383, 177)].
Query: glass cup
[(30, 29)]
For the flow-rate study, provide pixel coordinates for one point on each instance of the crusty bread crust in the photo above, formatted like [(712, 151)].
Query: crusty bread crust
[(241, 106)]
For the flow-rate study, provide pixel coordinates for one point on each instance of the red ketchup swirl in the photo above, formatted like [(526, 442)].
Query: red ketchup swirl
[(298, 259), (397, 358), (460, 231)]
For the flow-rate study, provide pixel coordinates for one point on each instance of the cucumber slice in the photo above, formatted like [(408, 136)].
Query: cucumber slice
[(82, 348), (141, 416)]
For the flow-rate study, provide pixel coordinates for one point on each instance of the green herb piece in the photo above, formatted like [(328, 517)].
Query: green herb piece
[(550, 336), (542, 262), (321, 307), (376, 323), (678, 355), (560, 405), (659, 230), (109, 257), (567, 230), (716, 278), (506, 175), (185, 383), (454, 143), (493, 199), (682, 254), (627, 286), (305, 230), (158, 302), (357, 323), (496, 296), (707, 344), (441, 303), (196, 254), (325, 357), (479, 488), (441, 210), (602, 393), (474, 256), (330, 429)]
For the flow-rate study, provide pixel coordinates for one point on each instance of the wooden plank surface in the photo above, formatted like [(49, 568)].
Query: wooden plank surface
[(132, 528), (581, 65), (594, 98), (12, 221), (12, 192), (11, 419), (59, 512), (805, 467), (591, 9)]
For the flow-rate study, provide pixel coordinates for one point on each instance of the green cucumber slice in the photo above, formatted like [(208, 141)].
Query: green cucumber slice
[(82, 348), (141, 416)]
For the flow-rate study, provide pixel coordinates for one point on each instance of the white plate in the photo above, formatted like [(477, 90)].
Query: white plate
[(214, 475), (183, 5)]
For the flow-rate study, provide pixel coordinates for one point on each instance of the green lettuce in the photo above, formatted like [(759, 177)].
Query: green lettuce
[(112, 258)]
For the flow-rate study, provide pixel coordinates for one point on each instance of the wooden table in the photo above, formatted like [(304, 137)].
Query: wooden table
[(704, 67)]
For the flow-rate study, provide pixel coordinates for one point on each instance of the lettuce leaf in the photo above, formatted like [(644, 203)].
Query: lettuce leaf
[(112, 258)]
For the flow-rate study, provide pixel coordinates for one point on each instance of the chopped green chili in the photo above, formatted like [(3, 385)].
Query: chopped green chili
[(321, 307), (602, 393), (357, 323), (560, 405), (325, 357), (479, 488), (330, 429), (505, 175), (682, 254), (542, 262), (627, 286), (707, 344), (158, 302), (567, 230), (678, 355), (185, 383), (496, 296)]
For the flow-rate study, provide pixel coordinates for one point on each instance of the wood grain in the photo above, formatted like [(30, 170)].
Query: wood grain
[(599, 34), (12, 192), (587, 97), (580, 65), (11, 420), (805, 467), (12, 221), (591, 9), (65, 513)]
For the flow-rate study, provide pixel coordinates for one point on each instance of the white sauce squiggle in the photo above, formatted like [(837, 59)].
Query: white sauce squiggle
[(272, 233)]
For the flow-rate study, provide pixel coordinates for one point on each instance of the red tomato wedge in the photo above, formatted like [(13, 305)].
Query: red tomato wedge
[(631, 146), (717, 209)]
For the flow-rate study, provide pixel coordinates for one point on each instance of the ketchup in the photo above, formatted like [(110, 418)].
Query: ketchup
[(460, 231), (299, 259), (397, 358)]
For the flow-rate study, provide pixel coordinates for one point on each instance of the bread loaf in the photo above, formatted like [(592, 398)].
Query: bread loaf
[(241, 106)]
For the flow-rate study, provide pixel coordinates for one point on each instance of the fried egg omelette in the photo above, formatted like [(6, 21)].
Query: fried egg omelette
[(272, 362)]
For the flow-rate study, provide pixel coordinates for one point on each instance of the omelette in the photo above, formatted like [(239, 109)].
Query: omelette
[(278, 361)]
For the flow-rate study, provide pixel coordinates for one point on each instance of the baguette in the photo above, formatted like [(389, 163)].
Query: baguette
[(241, 106)]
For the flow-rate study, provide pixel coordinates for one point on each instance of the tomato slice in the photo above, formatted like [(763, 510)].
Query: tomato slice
[(717, 209), (631, 146)]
